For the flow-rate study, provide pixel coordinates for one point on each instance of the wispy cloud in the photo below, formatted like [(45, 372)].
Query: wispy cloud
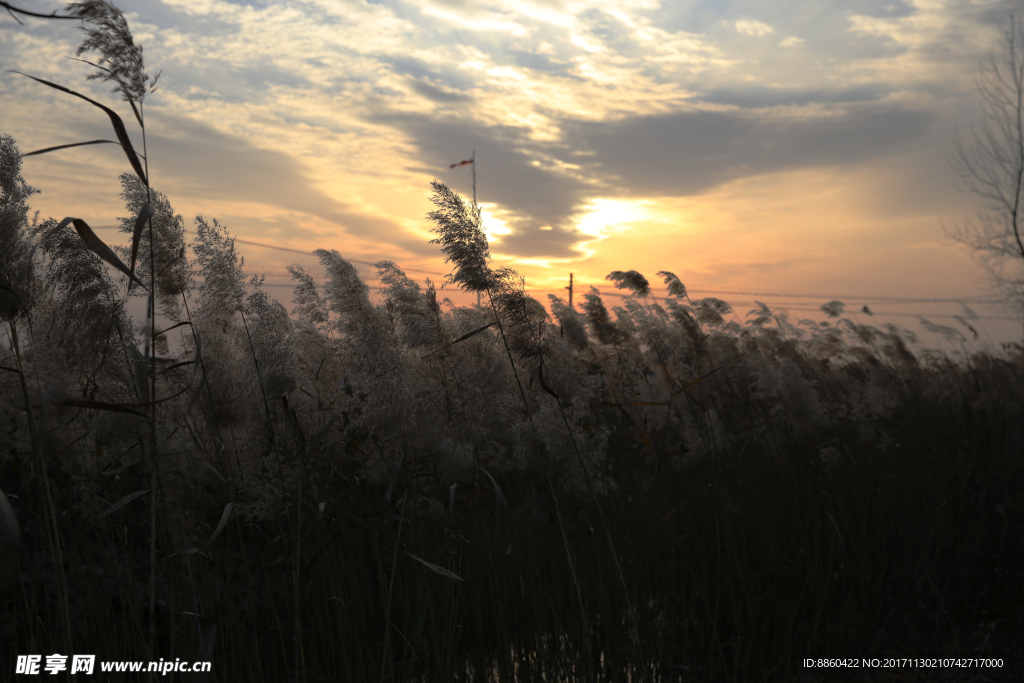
[(753, 28)]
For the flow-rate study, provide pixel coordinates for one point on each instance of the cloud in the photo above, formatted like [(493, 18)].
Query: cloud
[(566, 103), (756, 97), (670, 155), (726, 271), (200, 162), (691, 152), (753, 28), (439, 95)]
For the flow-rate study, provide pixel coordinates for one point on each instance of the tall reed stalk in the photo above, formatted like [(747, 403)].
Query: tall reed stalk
[(463, 241), (18, 288), (45, 495), (121, 61)]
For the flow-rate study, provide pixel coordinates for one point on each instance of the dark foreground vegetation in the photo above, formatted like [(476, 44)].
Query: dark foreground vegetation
[(709, 500), (411, 491)]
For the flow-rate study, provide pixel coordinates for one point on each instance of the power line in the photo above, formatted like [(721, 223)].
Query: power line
[(271, 246), (862, 298), (867, 299), (293, 251), (309, 253), (889, 299), (292, 286), (829, 297)]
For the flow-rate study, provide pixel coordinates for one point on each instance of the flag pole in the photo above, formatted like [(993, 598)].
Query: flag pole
[(472, 162)]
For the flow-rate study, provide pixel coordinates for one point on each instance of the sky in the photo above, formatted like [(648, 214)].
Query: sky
[(786, 152)]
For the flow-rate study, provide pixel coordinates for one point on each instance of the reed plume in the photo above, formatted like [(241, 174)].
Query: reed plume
[(601, 325), (120, 60), (346, 294), (414, 312), (17, 265), (711, 311), (462, 240), (170, 266), (675, 286), (219, 264), (309, 304), (630, 279), (87, 316), (572, 323)]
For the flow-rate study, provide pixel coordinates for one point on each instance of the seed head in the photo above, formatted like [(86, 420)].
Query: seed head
[(120, 59)]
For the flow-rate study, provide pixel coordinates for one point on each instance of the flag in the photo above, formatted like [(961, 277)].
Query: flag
[(462, 163)]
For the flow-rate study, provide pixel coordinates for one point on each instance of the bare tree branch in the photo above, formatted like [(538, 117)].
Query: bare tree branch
[(992, 168)]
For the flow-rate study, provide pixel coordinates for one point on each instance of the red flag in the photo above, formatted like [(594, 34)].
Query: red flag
[(462, 163)]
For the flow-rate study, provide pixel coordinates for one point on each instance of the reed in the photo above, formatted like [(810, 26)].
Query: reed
[(10, 546), (396, 490)]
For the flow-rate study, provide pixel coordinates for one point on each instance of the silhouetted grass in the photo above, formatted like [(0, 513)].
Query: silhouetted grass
[(393, 491)]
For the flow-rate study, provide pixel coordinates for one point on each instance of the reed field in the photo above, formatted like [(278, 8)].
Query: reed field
[(408, 490)]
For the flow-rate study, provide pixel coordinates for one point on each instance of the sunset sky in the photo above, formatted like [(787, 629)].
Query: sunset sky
[(788, 152)]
